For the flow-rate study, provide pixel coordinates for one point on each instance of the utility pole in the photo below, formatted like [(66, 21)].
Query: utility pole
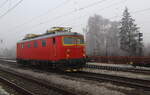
[(1, 41), (106, 46)]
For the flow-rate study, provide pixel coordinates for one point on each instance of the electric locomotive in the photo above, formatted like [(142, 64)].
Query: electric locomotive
[(57, 48)]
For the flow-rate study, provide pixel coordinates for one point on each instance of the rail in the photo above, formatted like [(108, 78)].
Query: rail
[(142, 61), (131, 82), (16, 87), (124, 69), (42, 83)]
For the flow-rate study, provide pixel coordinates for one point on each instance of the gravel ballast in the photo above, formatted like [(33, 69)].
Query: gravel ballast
[(77, 85), (118, 73)]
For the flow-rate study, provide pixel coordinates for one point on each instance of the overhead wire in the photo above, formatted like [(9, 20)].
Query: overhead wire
[(3, 3), (68, 13), (134, 12), (101, 9), (43, 14), (91, 5), (50, 10), (10, 9)]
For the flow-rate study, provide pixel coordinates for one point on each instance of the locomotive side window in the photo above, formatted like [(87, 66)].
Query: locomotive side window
[(73, 40), (69, 40), (54, 41), (35, 44), (43, 43), (79, 41), (22, 45), (29, 45)]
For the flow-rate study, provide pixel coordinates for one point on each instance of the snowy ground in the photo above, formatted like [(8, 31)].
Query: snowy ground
[(117, 65), (119, 73), (3, 92), (77, 85), (109, 64)]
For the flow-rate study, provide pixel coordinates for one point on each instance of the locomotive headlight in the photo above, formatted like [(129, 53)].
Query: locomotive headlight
[(68, 50), (67, 55), (84, 55)]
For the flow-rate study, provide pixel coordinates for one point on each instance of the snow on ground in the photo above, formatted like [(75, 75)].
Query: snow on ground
[(109, 64), (77, 85), (3, 92), (117, 65), (119, 73), (9, 60)]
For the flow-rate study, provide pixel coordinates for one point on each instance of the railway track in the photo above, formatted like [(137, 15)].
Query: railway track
[(34, 87), (131, 82), (124, 69), (15, 87), (111, 68)]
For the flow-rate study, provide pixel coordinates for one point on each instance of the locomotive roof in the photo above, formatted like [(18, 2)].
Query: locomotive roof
[(51, 35)]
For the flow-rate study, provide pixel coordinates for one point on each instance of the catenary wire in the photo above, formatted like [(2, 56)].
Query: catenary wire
[(66, 14), (37, 17), (3, 3), (9, 10)]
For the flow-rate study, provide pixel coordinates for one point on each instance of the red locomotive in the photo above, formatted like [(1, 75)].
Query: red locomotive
[(58, 48)]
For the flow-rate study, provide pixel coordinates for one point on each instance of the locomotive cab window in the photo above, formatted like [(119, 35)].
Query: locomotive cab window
[(73, 40), (29, 45), (43, 43), (79, 41)]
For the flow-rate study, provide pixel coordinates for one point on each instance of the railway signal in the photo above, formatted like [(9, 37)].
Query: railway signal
[(140, 48), (140, 37)]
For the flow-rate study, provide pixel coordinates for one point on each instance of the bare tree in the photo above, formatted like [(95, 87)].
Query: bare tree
[(101, 36)]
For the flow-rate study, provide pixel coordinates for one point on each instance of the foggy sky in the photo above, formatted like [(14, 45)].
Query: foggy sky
[(49, 13)]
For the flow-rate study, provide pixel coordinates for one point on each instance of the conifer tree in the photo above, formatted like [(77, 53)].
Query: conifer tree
[(129, 35)]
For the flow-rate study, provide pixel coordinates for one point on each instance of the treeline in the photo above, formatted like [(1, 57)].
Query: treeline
[(8, 52), (112, 38), (108, 38)]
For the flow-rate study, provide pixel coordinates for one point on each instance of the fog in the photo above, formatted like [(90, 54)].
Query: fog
[(36, 16)]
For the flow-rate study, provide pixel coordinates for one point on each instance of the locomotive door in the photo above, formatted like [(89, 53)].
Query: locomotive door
[(76, 47), (54, 47)]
